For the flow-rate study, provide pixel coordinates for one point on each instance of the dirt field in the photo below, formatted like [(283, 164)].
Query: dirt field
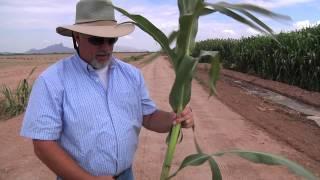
[(230, 120)]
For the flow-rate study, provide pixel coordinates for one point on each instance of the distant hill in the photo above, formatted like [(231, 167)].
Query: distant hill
[(60, 48), (56, 48), (127, 49)]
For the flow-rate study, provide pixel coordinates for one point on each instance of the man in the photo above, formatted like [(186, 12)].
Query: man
[(86, 111)]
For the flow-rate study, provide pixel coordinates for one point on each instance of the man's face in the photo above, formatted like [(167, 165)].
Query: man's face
[(94, 50)]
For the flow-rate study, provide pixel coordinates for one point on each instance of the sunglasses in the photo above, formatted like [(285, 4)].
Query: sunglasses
[(97, 41)]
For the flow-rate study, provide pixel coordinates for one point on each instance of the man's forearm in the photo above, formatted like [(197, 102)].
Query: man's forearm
[(51, 154), (159, 121)]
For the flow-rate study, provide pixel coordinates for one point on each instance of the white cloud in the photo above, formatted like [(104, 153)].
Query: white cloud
[(18, 17), (36, 14), (215, 29), (305, 24), (252, 31), (46, 42), (276, 3), (229, 31), (36, 7)]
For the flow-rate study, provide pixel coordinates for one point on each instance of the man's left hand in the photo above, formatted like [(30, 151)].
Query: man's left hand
[(185, 118)]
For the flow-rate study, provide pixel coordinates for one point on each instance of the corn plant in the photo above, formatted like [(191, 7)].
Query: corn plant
[(184, 66), (15, 101), (294, 61)]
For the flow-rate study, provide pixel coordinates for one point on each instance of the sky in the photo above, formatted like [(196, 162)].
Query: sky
[(26, 24)]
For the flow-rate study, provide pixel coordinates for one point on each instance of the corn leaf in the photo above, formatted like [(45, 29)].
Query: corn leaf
[(199, 150), (206, 11), (188, 28), (235, 16), (191, 160), (258, 9), (270, 159), (151, 29), (181, 90), (173, 36), (31, 72), (187, 35), (187, 6), (215, 170), (214, 58)]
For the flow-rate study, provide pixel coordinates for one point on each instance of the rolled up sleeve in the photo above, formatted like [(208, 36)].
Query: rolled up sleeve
[(148, 106), (43, 117)]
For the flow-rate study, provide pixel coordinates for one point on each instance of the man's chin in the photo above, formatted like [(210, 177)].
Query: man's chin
[(98, 64)]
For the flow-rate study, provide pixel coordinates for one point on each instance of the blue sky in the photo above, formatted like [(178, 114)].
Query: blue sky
[(26, 24)]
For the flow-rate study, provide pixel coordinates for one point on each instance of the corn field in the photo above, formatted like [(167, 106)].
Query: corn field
[(295, 60)]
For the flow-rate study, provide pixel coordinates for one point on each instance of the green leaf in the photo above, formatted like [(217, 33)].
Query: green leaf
[(206, 11), (31, 72), (181, 90), (187, 6), (214, 58), (173, 36), (192, 160), (261, 10), (151, 29), (243, 8), (270, 159), (188, 27), (256, 20), (199, 150), (187, 34), (260, 23), (180, 136), (215, 170), (224, 10)]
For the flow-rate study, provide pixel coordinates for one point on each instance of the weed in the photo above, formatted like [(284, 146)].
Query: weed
[(15, 101)]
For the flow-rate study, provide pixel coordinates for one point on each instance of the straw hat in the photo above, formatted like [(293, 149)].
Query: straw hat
[(96, 18)]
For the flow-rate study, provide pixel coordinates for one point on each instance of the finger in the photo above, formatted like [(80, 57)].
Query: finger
[(186, 111), (187, 123), (174, 116), (186, 117), (188, 126)]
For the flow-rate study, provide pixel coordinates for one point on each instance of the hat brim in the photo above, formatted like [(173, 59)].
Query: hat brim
[(117, 30)]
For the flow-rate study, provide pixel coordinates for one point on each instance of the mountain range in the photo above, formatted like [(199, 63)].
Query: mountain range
[(56, 48), (60, 48)]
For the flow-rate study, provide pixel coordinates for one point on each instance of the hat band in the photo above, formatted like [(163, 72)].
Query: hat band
[(98, 23)]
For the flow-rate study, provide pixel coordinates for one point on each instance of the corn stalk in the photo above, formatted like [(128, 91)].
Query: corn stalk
[(184, 66)]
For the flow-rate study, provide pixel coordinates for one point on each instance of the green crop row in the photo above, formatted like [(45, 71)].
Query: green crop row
[(295, 61)]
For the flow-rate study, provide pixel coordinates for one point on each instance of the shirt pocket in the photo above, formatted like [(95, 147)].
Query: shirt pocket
[(127, 100), (128, 107)]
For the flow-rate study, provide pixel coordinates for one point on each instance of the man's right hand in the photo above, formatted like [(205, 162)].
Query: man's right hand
[(51, 154)]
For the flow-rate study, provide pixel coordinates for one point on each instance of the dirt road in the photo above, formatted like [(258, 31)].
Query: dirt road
[(217, 128)]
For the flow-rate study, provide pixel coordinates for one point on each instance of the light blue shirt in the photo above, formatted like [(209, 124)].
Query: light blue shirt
[(99, 128)]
